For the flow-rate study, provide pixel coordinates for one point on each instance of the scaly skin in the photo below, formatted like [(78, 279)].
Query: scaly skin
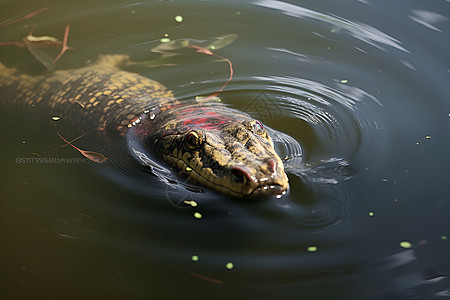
[(216, 146)]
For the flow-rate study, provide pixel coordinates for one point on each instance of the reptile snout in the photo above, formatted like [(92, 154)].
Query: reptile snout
[(267, 178)]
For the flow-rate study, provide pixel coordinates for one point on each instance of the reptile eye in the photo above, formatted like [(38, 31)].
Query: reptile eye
[(258, 128), (192, 140)]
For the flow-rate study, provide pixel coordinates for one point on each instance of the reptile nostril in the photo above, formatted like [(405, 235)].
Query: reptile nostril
[(240, 175), (272, 165)]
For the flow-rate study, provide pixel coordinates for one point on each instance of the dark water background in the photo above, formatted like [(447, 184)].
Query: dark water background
[(363, 86)]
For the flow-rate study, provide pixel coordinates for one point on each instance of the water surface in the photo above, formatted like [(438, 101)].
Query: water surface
[(362, 86)]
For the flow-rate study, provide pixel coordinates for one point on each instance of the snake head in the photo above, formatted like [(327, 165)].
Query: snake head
[(235, 157)]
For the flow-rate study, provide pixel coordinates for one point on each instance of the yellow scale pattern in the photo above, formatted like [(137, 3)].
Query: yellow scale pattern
[(95, 94)]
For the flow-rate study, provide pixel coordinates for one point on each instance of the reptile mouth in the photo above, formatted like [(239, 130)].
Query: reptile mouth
[(249, 186), (273, 189)]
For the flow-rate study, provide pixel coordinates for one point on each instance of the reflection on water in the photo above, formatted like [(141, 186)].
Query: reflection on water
[(428, 18), (355, 98), (360, 31)]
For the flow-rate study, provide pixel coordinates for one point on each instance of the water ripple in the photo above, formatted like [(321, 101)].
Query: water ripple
[(336, 114), (428, 19), (363, 32)]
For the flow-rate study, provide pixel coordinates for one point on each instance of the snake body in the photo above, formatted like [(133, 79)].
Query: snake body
[(213, 144)]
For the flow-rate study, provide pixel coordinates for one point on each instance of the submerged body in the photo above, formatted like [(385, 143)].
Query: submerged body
[(218, 147)]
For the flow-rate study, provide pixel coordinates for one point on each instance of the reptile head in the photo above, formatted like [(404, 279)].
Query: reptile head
[(232, 154)]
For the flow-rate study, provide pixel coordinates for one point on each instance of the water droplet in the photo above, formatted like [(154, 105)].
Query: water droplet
[(371, 214), (195, 258)]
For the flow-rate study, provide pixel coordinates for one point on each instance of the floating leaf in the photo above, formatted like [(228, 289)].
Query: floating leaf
[(93, 156), (208, 52), (222, 41), (171, 46), (33, 44), (44, 38), (43, 57), (167, 51)]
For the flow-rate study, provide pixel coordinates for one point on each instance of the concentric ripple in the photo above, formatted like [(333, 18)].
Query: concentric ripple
[(336, 121), (354, 95), (334, 127), (321, 126)]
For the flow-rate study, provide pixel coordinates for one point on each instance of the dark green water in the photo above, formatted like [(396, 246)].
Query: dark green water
[(363, 86)]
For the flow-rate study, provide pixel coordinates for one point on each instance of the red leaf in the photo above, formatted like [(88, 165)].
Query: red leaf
[(201, 49), (203, 277), (93, 156), (64, 46), (30, 15), (208, 52)]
